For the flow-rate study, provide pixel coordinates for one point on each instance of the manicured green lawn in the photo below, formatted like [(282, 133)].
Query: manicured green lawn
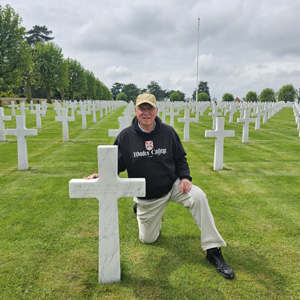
[(49, 242)]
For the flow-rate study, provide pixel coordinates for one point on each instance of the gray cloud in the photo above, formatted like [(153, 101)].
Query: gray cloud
[(244, 44)]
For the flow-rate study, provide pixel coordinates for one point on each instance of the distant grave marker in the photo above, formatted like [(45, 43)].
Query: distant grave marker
[(219, 133), (21, 132), (64, 118), (2, 125), (38, 112), (187, 120), (22, 108), (83, 112), (13, 106), (246, 120)]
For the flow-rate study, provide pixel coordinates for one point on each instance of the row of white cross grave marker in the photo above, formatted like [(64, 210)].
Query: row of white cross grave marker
[(109, 187), (265, 110), (40, 110)]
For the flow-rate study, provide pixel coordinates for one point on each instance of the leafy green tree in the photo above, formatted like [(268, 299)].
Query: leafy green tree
[(38, 34), (181, 94), (116, 89), (227, 97), (131, 90), (77, 79), (107, 93), (51, 66), (203, 97), (29, 75), (297, 95), (102, 91), (122, 96), (99, 89), (63, 83), (287, 93), (154, 88), (91, 85), (174, 96), (202, 87), (14, 51), (251, 97), (267, 95)]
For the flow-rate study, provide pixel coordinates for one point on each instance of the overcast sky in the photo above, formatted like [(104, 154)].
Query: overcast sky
[(243, 45)]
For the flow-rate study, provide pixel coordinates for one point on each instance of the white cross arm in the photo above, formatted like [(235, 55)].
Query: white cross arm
[(219, 132), (108, 183), (222, 134), (94, 188)]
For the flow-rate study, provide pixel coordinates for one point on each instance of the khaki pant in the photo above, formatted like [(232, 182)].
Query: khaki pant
[(149, 215)]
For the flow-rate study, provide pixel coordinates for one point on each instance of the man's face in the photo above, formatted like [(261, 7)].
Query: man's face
[(146, 114)]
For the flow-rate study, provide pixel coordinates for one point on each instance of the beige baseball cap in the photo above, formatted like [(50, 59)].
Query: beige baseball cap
[(146, 98)]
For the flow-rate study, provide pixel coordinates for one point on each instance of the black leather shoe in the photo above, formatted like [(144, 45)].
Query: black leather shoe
[(215, 257), (134, 208)]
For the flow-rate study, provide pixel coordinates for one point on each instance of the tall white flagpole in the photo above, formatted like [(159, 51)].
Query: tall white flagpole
[(197, 60)]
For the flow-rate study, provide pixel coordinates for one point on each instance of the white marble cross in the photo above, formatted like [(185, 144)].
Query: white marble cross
[(108, 188), (22, 108), (219, 133), (21, 132), (264, 114), (203, 107), (73, 107), (94, 110), (44, 106), (123, 123), (197, 109), (38, 112), (257, 114), (172, 114), (246, 120), (187, 119), (64, 118), (2, 125), (232, 109), (269, 109), (162, 110), (13, 106), (101, 106), (83, 112), (31, 105), (214, 114), (242, 108), (106, 108), (57, 107), (129, 110)]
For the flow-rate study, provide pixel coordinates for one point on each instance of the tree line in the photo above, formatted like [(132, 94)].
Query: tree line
[(32, 65), (286, 93), (129, 92)]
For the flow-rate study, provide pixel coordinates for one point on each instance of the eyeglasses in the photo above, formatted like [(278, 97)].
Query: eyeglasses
[(148, 109)]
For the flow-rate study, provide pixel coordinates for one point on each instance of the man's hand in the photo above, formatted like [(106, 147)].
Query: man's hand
[(91, 176), (184, 186)]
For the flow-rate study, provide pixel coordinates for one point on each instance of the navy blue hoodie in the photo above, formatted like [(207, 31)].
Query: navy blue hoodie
[(158, 156)]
